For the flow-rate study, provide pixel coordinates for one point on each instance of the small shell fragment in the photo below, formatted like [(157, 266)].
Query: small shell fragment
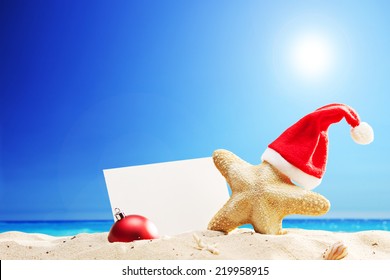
[(336, 251)]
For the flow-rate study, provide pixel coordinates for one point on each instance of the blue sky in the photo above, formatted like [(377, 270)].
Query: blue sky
[(85, 87)]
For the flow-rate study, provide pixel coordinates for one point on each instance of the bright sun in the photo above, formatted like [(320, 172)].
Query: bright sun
[(311, 57)]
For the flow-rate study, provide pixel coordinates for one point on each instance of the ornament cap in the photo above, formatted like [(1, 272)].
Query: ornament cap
[(119, 215)]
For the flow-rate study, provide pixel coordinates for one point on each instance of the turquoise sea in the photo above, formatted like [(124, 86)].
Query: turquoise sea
[(67, 228)]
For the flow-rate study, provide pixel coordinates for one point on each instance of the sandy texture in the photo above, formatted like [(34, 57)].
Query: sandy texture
[(241, 244)]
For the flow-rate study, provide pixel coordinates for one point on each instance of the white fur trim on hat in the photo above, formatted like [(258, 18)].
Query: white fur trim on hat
[(362, 134), (296, 175)]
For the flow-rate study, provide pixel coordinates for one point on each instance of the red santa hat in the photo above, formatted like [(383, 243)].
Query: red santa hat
[(301, 151)]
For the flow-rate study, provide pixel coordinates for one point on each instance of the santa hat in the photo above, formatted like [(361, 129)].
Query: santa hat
[(300, 152)]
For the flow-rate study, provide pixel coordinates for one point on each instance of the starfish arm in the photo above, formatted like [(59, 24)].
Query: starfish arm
[(223, 159), (266, 220), (311, 203), (295, 200), (268, 227), (232, 215), (233, 168)]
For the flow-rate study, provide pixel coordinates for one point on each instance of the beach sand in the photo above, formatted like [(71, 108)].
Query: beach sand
[(296, 244)]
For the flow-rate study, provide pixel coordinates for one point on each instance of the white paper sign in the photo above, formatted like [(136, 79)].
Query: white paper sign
[(177, 196)]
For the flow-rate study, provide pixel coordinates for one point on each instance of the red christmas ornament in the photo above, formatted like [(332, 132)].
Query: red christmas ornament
[(130, 228)]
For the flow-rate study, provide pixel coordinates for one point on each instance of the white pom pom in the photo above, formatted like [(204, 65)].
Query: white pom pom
[(362, 134)]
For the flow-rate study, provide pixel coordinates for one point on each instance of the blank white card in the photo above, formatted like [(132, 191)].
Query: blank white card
[(178, 196)]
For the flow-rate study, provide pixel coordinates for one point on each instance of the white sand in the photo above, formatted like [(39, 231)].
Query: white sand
[(296, 244)]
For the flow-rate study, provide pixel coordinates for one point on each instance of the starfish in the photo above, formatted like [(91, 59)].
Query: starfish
[(261, 196)]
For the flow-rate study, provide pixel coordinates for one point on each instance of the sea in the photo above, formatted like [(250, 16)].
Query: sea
[(69, 228)]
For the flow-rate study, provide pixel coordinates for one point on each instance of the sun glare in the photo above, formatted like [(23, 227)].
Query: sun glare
[(311, 57)]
